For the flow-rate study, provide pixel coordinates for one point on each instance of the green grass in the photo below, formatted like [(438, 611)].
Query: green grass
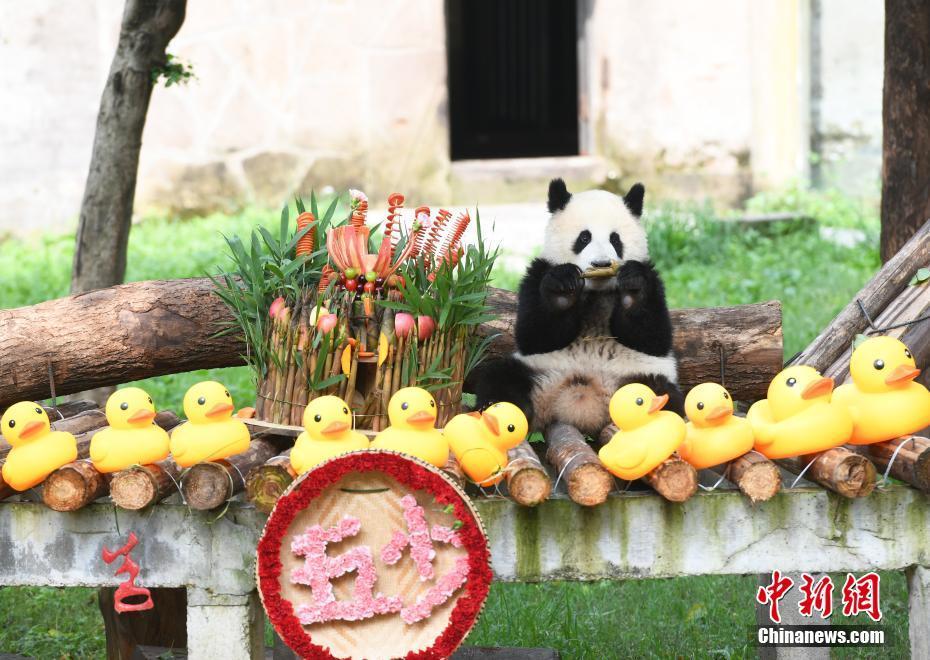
[(703, 262)]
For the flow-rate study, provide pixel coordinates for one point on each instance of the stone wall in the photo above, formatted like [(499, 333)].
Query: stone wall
[(698, 99)]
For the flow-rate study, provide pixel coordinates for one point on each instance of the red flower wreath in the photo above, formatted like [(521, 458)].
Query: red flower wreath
[(412, 473)]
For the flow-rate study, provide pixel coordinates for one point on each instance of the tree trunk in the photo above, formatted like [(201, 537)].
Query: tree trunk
[(906, 123), (144, 329), (106, 210)]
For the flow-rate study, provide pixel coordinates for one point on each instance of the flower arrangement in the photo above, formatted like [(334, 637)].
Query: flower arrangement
[(335, 306)]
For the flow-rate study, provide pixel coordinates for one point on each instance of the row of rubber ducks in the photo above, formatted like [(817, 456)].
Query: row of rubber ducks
[(131, 437), (802, 414)]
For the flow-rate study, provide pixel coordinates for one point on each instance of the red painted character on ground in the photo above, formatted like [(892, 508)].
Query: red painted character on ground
[(774, 592), (128, 589)]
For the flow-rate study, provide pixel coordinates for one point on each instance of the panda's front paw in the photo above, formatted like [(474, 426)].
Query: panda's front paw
[(634, 280), (561, 286)]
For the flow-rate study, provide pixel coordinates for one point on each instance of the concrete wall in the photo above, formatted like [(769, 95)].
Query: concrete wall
[(697, 99)]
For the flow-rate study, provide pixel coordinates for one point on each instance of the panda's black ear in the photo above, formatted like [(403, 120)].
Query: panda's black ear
[(634, 199), (558, 195)]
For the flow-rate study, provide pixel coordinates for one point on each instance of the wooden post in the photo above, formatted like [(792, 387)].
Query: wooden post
[(267, 482), (911, 464), (587, 481), (144, 485), (918, 610), (757, 477), (206, 486), (674, 479), (527, 480), (842, 471)]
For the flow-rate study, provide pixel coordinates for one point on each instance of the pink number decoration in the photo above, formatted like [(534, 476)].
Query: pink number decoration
[(128, 589)]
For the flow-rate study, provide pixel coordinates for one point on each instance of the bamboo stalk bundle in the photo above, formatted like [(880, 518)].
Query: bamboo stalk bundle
[(77, 484), (756, 476), (207, 486), (839, 469), (527, 480), (587, 481), (267, 482)]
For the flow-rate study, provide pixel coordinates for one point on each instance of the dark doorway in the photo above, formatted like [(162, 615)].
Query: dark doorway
[(513, 78)]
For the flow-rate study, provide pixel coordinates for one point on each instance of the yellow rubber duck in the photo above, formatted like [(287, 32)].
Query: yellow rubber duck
[(713, 435), (132, 437), (798, 416), (210, 432), (480, 440), (883, 398), (412, 413), (648, 435), (35, 449), (327, 433)]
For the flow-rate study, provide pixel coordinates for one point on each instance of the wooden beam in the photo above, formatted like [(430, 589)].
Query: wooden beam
[(845, 472), (144, 329), (577, 465), (527, 480)]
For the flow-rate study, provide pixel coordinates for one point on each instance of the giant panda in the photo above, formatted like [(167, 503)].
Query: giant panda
[(578, 339)]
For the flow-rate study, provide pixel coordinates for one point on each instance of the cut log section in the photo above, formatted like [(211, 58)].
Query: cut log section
[(587, 481), (454, 471), (267, 482), (674, 479), (144, 485), (757, 477), (143, 329), (78, 483), (839, 469), (911, 464), (207, 486), (527, 480), (74, 485)]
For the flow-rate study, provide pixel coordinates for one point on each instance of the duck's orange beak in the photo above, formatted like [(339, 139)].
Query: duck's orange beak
[(220, 409), (491, 422), (819, 387), (718, 413), (658, 403), (902, 374), (31, 429), (141, 416), (335, 427), (421, 417)]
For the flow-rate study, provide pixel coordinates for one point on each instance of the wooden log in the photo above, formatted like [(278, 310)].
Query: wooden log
[(78, 483), (843, 471), (207, 486), (587, 481), (454, 471), (757, 477), (674, 479), (527, 480), (70, 408), (267, 482), (145, 329), (74, 485), (911, 464), (144, 485), (749, 336), (876, 295), (81, 422)]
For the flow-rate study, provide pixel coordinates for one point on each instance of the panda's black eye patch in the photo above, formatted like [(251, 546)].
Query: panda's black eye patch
[(581, 242), (617, 243)]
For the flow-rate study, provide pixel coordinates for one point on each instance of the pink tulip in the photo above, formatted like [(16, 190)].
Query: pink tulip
[(327, 323), (403, 324), (425, 327), (276, 307)]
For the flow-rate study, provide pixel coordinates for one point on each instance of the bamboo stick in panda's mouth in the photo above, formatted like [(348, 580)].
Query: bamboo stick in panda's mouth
[(603, 272)]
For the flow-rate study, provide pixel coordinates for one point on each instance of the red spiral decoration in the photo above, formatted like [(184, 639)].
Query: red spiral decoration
[(395, 203), (359, 213), (326, 277), (434, 239), (305, 244), (420, 240)]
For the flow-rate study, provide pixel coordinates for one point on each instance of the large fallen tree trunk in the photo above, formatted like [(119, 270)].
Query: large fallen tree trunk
[(144, 329)]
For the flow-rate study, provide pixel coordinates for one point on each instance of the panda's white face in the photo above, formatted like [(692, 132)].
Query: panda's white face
[(594, 229)]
